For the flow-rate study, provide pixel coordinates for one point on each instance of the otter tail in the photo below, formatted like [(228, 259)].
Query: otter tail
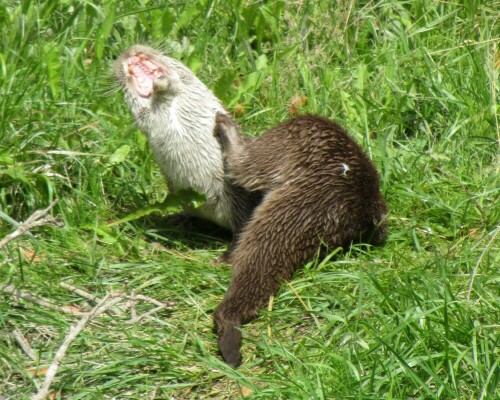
[(230, 340), (280, 237)]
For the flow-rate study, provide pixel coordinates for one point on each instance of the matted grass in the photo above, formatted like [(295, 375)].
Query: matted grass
[(415, 82)]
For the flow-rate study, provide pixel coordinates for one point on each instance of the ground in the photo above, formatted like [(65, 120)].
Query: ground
[(416, 83)]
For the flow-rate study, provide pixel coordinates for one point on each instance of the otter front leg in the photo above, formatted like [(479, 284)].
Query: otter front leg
[(238, 166)]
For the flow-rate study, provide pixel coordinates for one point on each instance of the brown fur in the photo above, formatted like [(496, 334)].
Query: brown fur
[(319, 188)]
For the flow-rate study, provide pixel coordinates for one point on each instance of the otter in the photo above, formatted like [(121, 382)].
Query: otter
[(319, 187), (177, 112)]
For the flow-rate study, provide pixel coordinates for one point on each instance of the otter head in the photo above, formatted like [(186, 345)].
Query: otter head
[(150, 80)]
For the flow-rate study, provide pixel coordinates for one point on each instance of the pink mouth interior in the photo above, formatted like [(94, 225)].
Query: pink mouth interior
[(143, 71)]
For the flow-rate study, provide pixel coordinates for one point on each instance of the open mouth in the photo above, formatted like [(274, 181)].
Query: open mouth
[(142, 72)]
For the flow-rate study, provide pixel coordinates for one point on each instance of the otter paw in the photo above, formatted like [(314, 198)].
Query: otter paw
[(226, 132), (222, 124), (221, 118)]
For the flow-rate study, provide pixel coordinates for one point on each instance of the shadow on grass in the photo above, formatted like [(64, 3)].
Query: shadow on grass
[(185, 230)]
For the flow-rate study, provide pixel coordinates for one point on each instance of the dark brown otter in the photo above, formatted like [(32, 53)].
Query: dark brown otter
[(319, 188)]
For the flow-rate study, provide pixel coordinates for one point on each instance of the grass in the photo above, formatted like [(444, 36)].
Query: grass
[(415, 82)]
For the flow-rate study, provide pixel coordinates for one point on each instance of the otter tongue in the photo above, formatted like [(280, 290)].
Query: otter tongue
[(143, 85)]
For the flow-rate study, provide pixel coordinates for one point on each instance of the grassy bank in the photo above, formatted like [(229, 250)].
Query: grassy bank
[(417, 83)]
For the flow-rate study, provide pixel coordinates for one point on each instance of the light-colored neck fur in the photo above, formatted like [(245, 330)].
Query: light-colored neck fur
[(179, 126)]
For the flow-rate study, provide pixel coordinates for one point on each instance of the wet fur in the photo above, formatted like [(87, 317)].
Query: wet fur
[(319, 188)]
